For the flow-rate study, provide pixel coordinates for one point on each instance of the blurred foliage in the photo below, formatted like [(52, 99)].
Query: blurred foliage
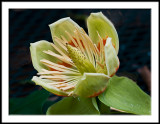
[(29, 105)]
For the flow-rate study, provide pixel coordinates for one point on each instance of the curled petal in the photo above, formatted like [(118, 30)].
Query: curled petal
[(111, 58), (46, 84), (91, 84), (97, 22), (37, 54)]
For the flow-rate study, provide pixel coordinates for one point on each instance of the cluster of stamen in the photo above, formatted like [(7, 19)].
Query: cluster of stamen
[(63, 77)]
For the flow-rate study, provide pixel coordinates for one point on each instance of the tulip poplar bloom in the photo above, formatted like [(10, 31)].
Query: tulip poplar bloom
[(77, 64)]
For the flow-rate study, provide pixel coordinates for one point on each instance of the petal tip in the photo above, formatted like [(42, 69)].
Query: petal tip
[(96, 13), (59, 21)]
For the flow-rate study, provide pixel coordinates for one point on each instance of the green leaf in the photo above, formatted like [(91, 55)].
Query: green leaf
[(98, 22), (91, 84), (29, 105), (104, 109), (49, 102), (94, 101), (124, 94), (118, 112), (37, 54), (73, 106)]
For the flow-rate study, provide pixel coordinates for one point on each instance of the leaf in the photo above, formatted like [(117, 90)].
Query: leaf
[(73, 106), (118, 112), (91, 84), (99, 22), (124, 94), (94, 101), (50, 102), (29, 105), (104, 109)]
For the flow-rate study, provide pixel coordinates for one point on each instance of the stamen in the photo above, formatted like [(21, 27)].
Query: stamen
[(86, 47), (61, 85), (62, 53), (67, 84), (62, 58), (64, 39), (67, 81), (97, 51), (61, 43), (102, 66), (70, 94), (58, 77), (55, 83), (54, 67), (83, 31), (91, 48), (101, 47), (57, 66), (97, 54), (73, 40), (77, 34), (58, 73), (73, 81), (91, 43), (67, 88)]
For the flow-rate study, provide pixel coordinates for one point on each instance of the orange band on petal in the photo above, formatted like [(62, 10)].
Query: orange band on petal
[(104, 42), (115, 71), (65, 64), (72, 44), (113, 45), (96, 94)]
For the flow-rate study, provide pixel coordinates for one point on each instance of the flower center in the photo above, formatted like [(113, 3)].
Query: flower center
[(81, 62), (80, 55)]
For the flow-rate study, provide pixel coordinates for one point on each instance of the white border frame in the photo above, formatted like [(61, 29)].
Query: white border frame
[(108, 5)]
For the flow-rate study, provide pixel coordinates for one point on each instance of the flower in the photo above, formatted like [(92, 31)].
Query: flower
[(77, 64)]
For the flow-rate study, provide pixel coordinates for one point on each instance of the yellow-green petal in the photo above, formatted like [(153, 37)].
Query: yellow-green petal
[(97, 22), (37, 54), (91, 84), (60, 27), (45, 84), (111, 58)]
